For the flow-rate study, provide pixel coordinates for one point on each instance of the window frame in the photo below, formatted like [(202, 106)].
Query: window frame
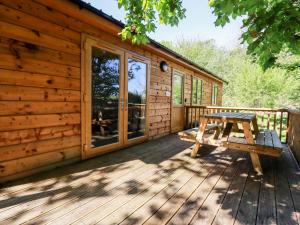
[(214, 94), (199, 99), (182, 75)]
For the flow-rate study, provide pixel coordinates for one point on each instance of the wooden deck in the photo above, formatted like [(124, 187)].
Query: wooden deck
[(159, 183)]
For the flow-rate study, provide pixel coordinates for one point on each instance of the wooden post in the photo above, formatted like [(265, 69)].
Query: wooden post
[(254, 156), (226, 132), (268, 123), (186, 117), (275, 122), (280, 125), (202, 126), (287, 127)]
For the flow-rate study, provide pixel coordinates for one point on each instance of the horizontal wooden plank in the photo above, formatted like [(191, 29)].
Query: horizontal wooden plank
[(19, 18), (16, 62), (11, 77), (34, 108), (8, 123), (24, 164), (38, 147), (39, 170), (192, 133), (20, 93), (25, 50), (159, 105), (276, 140), (30, 135), (268, 138), (239, 144), (155, 119), (49, 14), (32, 36)]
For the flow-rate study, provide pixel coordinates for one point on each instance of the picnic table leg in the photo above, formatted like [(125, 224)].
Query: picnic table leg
[(254, 156), (203, 123), (235, 127), (255, 126), (217, 133), (226, 132)]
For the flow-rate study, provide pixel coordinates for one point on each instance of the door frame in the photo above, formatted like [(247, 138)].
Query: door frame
[(182, 74), (87, 42)]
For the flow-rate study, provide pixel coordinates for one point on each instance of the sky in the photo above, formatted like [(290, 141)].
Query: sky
[(198, 24)]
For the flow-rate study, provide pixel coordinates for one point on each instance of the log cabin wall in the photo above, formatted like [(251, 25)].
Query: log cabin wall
[(40, 71)]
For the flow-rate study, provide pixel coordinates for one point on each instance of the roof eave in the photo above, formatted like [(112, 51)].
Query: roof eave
[(98, 12)]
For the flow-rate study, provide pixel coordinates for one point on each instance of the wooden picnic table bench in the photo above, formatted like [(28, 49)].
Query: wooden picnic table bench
[(191, 134), (255, 142)]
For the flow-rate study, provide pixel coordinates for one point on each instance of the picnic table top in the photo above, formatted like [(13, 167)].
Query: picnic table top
[(237, 116)]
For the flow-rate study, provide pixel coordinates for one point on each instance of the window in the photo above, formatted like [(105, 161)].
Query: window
[(177, 92), (197, 91), (214, 94)]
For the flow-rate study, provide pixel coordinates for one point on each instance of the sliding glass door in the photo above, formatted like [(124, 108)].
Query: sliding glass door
[(136, 97), (115, 98), (105, 93)]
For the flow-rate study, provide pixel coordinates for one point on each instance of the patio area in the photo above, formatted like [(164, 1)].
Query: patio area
[(158, 182)]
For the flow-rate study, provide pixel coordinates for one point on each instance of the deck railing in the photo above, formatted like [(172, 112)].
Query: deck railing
[(273, 119)]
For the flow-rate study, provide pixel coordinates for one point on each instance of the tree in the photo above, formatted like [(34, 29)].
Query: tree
[(143, 14), (269, 26)]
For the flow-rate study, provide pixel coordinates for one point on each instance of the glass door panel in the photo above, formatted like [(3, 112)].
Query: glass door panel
[(105, 94), (177, 89), (137, 98)]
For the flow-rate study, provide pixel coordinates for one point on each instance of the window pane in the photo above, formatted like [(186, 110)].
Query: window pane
[(194, 91), (137, 87), (199, 97), (214, 94), (177, 89), (105, 97)]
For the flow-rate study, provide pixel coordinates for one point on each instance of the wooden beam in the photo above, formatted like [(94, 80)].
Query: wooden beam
[(12, 77), (254, 156), (23, 34), (199, 137), (20, 93), (24, 164), (31, 135), (14, 108), (8, 123)]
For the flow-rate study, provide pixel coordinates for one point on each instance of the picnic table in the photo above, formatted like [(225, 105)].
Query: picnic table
[(254, 141)]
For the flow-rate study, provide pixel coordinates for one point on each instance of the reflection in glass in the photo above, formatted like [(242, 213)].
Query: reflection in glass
[(105, 97), (194, 90), (137, 89), (199, 92), (177, 89)]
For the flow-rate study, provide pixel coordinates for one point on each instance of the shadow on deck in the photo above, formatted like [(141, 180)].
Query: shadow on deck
[(158, 183)]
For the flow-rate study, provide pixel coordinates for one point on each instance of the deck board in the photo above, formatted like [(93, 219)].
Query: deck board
[(159, 183)]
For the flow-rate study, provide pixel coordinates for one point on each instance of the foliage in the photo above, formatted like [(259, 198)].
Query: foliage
[(249, 85), (143, 14), (269, 26)]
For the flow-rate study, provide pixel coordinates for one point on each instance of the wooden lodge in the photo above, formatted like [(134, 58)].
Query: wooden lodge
[(70, 89)]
